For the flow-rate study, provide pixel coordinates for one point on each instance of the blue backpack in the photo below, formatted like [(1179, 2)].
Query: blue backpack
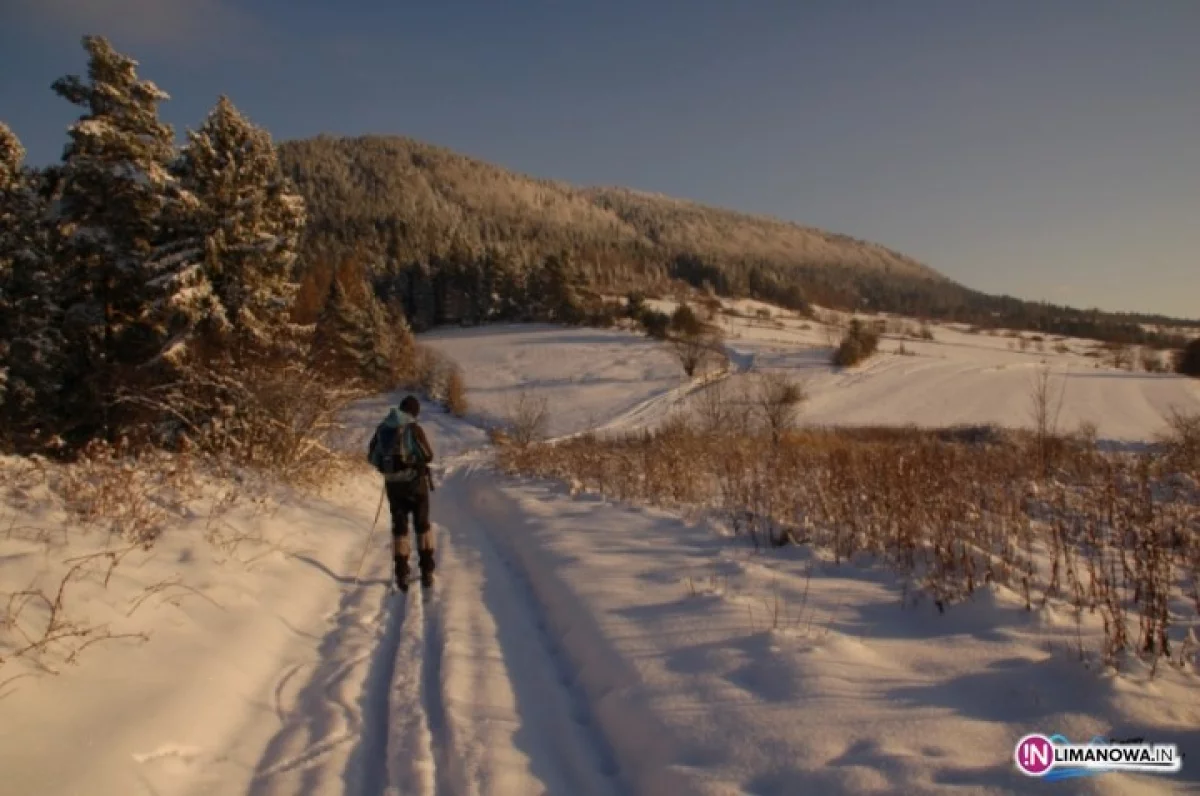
[(394, 452)]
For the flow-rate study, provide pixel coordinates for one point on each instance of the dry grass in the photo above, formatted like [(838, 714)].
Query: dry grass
[(1051, 517), (43, 629), (128, 495), (456, 392), (279, 419)]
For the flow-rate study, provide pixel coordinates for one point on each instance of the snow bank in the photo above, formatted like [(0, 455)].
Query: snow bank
[(249, 634)]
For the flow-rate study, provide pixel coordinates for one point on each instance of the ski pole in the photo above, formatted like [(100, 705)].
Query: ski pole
[(370, 536)]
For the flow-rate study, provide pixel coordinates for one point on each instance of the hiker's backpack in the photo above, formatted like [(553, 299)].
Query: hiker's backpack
[(394, 452)]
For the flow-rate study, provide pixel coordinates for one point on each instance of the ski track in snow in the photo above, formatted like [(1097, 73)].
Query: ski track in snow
[(322, 715), (482, 700), (407, 758)]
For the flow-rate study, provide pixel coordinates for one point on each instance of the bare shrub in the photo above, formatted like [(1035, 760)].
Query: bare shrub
[(456, 392), (657, 324), (714, 408), (276, 418), (685, 321), (527, 419), (691, 351), (693, 341), (1045, 407), (859, 343), (1152, 361), (107, 488), (1182, 441), (1120, 356), (46, 632), (427, 370), (778, 399)]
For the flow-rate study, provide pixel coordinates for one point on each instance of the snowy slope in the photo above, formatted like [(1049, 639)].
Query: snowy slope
[(590, 376)]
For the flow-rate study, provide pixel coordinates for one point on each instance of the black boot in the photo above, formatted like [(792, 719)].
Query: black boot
[(402, 574), (425, 559)]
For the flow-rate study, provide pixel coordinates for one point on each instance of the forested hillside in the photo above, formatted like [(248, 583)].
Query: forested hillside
[(454, 239)]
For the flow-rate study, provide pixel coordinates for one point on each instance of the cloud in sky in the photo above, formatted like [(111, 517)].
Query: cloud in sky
[(185, 27)]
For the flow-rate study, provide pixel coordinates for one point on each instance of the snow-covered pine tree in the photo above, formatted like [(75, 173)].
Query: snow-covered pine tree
[(31, 346), (485, 297), (342, 340), (398, 337), (248, 222), (390, 349), (114, 188), (510, 280), (12, 155), (554, 290), (357, 336)]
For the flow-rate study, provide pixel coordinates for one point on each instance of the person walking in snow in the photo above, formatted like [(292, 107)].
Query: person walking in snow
[(400, 450)]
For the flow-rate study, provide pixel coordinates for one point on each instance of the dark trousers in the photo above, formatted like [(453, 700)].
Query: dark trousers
[(410, 501)]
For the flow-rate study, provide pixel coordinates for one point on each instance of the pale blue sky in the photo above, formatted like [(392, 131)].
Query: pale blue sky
[(1049, 150)]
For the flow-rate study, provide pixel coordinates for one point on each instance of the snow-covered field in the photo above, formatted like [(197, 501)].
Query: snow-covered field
[(571, 646), (588, 376), (957, 378)]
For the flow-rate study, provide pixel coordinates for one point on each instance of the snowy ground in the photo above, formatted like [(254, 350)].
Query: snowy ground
[(586, 375), (571, 646)]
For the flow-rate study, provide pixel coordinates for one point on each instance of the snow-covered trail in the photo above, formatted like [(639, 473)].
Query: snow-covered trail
[(498, 701)]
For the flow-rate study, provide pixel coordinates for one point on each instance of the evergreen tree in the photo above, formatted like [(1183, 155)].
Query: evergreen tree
[(422, 308), (389, 347), (554, 293), (31, 346), (114, 189), (341, 337), (509, 283), (246, 225)]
